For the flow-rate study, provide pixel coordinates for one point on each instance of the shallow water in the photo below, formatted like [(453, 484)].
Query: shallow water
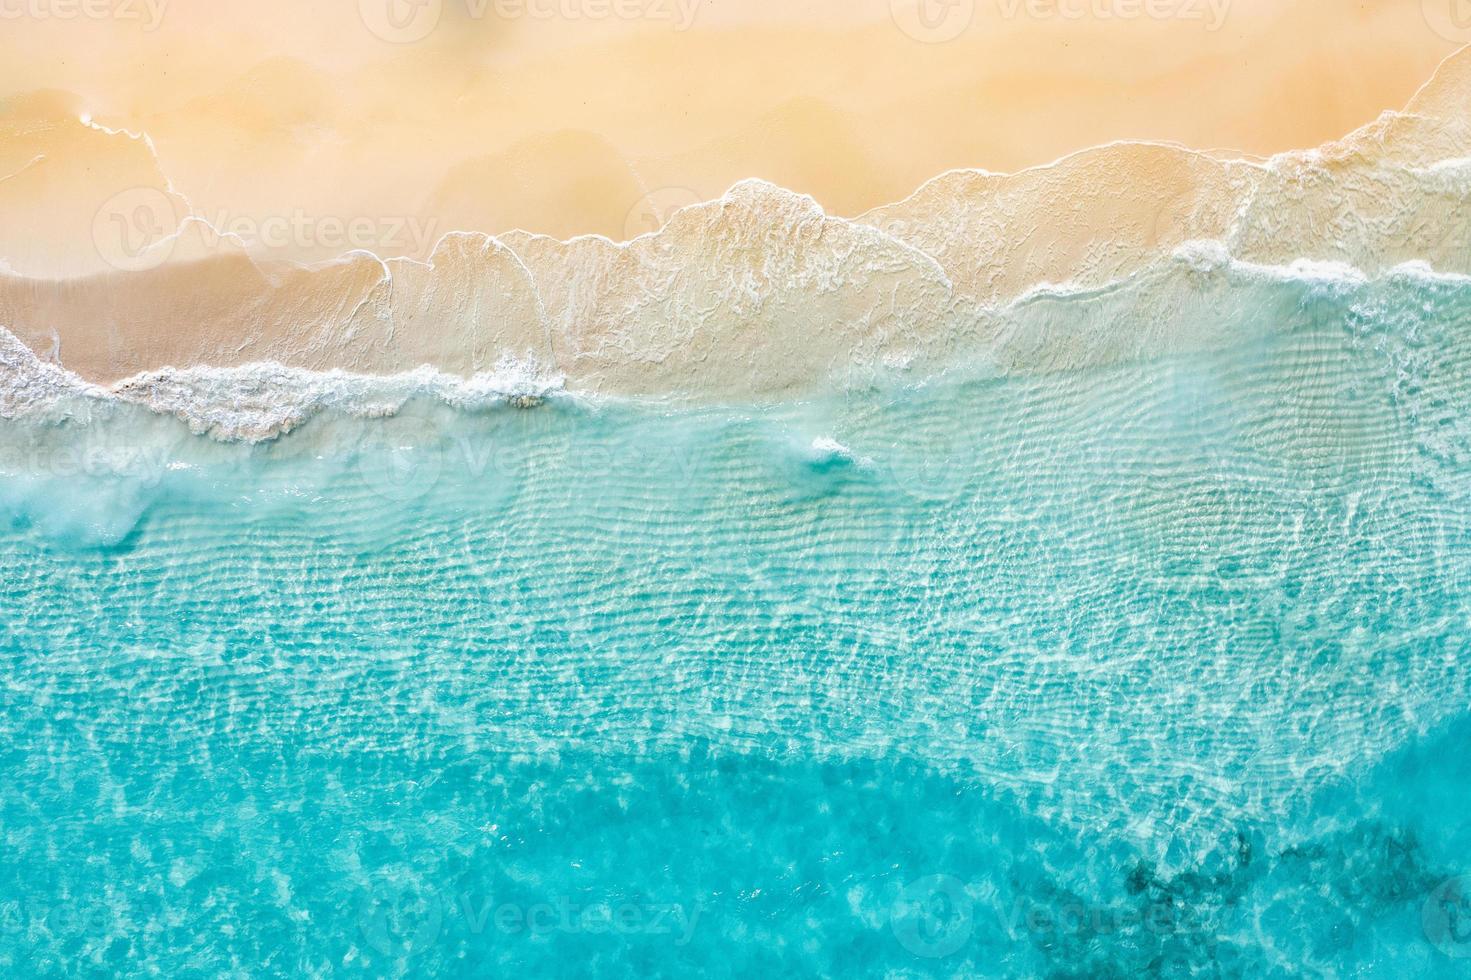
[(1156, 669)]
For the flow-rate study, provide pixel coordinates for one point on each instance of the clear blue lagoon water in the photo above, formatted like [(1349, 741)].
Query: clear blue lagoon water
[(1153, 670)]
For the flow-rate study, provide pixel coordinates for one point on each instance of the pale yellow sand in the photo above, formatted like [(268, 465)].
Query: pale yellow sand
[(299, 127)]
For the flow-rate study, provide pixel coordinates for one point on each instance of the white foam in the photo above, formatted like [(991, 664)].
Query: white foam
[(763, 294), (261, 401)]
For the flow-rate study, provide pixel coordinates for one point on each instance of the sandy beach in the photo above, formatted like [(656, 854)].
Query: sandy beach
[(308, 132), (163, 187)]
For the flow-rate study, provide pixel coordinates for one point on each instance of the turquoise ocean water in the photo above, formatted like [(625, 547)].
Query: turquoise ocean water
[(1154, 669)]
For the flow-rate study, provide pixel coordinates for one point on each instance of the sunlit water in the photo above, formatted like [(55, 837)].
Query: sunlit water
[(1157, 670)]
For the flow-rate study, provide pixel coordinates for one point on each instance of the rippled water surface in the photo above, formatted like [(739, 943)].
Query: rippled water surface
[(1154, 670)]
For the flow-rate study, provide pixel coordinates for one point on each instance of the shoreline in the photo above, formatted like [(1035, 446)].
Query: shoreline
[(762, 291)]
